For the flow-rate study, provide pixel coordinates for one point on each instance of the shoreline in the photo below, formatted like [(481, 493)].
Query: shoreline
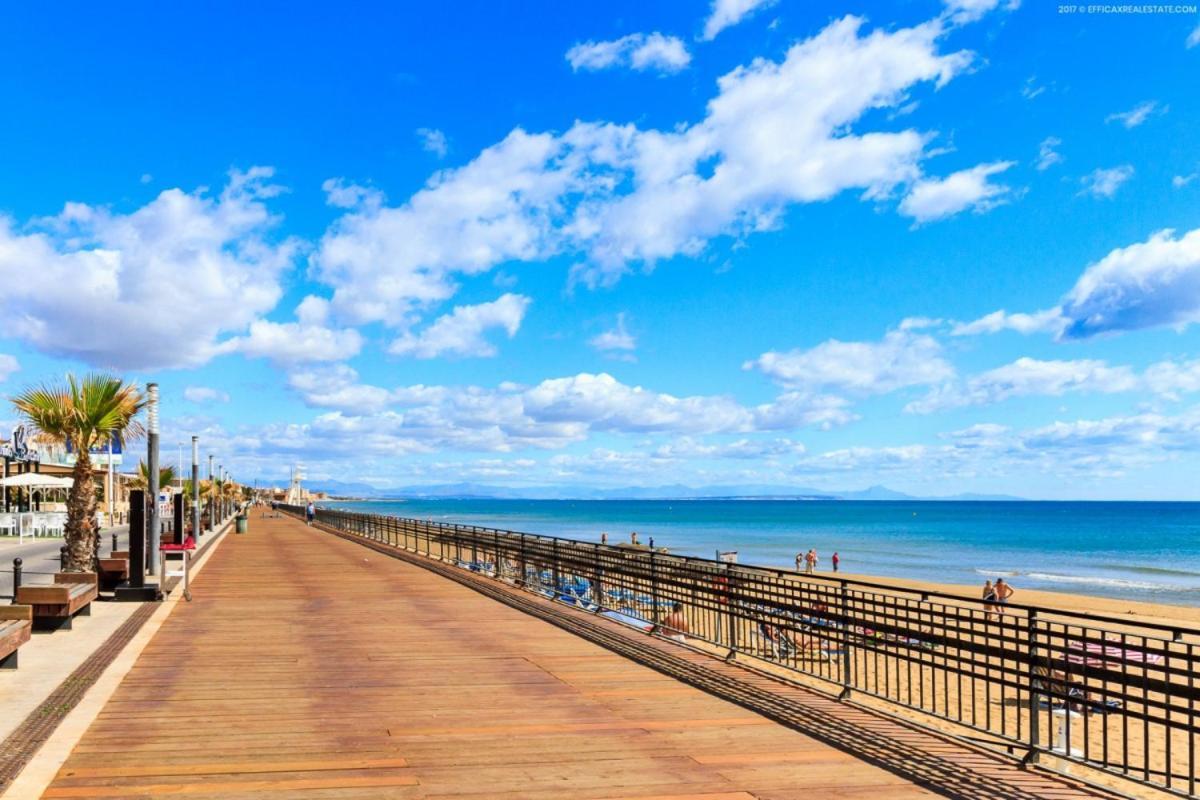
[(1132, 610)]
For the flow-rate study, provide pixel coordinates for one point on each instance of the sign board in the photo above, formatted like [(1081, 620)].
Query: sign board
[(728, 556), (18, 449), (102, 448)]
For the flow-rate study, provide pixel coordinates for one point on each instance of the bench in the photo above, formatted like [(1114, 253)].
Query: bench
[(54, 605), (15, 625), (114, 569)]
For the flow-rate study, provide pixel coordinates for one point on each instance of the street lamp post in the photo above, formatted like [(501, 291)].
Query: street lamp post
[(212, 519), (153, 531), (196, 487)]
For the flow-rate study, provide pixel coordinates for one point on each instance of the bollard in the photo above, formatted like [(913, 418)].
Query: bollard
[(114, 542), (16, 576), (62, 558)]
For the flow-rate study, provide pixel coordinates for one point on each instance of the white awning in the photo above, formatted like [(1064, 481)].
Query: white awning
[(35, 480)]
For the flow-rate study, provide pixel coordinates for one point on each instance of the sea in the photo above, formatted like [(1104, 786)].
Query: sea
[(1131, 550)]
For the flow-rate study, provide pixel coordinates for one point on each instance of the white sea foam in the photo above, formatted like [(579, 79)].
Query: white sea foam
[(1003, 573), (1116, 582)]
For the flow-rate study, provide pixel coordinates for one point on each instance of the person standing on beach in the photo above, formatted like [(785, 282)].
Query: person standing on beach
[(1003, 592), (810, 562), (604, 538), (800, 557), (633, 537), (989, 598), (835, 560)]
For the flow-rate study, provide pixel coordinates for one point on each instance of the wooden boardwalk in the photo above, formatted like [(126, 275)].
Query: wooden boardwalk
[(312, 667)]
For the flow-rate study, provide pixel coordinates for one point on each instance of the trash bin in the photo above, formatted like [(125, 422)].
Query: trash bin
[(243, 523)]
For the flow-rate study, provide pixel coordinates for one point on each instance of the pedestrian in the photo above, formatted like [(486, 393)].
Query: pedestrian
[(603, 538), (810, 562), (835, 561), (1003, 592), (799, 561), (310, 511), (675, 625), (989, 598), (633, 538)]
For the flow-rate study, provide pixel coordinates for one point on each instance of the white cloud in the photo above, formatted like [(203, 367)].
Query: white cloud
[(146, 178), (727, 13), (932, 199), (8, 365), (337, 386), (341, 194), (899, 360), (1031, 89), (1026, 377), (204, 394), (1137, 115), (1150, 284), (1193, 38), (1047, 155), (1048, 321), (433, 141), (1180, 181), (963, 11), (154, 288), (639, 51), (776, 133), (295, 342), (461, 332), (1105, 182), (617, 340)]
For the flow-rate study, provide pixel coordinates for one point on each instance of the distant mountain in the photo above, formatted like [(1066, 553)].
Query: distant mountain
[(670, 492)]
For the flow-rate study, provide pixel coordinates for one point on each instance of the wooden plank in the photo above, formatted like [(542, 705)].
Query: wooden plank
[(13, 634), (44, 595), (16, 612), (309, 664)]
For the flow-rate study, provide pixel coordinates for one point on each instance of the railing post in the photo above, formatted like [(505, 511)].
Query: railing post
[(843, 602), (524, 569), (16, 576), (1034, 703), (554, 545), (653, 591), (62, 558), (497, 564), (733, 637), (599, 588)]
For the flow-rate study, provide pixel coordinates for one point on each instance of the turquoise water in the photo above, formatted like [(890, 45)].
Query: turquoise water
[(1139, 551)]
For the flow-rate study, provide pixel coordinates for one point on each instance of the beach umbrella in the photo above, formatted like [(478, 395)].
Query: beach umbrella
[(35, 480)]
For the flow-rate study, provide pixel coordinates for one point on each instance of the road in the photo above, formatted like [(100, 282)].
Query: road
[(42, 556)]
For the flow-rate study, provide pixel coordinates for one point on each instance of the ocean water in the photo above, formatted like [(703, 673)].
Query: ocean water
[(1139, 551)]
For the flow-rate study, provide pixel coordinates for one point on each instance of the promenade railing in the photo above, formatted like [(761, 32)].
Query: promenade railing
[(1116, 695)]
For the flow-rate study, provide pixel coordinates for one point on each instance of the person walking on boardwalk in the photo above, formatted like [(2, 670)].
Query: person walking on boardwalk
[(310, 511), (1003, 592), (835, 561)]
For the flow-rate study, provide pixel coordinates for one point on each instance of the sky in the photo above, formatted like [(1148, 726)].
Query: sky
[(945, 247)]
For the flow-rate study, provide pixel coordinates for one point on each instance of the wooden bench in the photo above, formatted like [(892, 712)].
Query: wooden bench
[(15, 625), (114, 569), (54, 605)]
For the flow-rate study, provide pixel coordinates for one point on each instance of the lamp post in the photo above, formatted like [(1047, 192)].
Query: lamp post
[(212, 521), (196, 487), (153, 530)]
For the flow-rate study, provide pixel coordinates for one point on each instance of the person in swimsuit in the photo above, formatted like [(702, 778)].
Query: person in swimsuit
[(675, 625), (835, 560), (1003, 592), (989, 598)]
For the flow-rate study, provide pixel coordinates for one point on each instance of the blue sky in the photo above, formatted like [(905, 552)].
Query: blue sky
[(946, 248)]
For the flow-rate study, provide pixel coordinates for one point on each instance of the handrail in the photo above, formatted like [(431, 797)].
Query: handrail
[(1115, 695)]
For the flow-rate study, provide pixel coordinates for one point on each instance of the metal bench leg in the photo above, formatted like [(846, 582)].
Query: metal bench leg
[(9, 661)]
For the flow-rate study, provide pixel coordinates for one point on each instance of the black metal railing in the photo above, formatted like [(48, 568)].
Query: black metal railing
[(1115, 695)]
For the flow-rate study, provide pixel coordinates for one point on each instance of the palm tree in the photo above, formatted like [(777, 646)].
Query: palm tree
[(166, 476), (83, 413)]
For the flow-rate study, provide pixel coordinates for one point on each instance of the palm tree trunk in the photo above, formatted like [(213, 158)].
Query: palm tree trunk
[(80, 530)]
